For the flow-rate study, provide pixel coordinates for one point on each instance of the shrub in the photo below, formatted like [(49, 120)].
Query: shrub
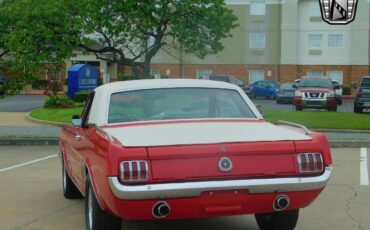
[(346, 90), (39, 84), (56, 101), (81, 96), (125, 78)]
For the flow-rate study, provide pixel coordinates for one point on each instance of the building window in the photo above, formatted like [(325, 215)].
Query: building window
[(203, 73), (155, 73), (335, 40), (256, 75), (315, 8), (336, 75), (257, 8), (315, 73), (257, 41), (314, 40)]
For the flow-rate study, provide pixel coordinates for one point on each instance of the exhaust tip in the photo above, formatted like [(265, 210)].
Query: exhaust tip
[(161, 209), (281, 202)]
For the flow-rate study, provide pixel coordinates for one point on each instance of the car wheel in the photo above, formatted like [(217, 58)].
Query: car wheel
[(334, 109), (298, 108), (286, 220), (253, 95), (357, 109), (339, 101), (97, 218), (278, 101), (70, 190)]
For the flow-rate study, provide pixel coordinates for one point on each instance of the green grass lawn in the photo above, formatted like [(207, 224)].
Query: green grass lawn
[(313, 120), (321, 120), (58, 115)]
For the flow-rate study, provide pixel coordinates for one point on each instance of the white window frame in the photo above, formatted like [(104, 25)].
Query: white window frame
[(313, 73), (315, 40), (336, 75), (258, 8), (203, 73), (256, 75), (257, 40), (335, 40)]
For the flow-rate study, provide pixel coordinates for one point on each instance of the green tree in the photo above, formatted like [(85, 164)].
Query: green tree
[(129, 32)]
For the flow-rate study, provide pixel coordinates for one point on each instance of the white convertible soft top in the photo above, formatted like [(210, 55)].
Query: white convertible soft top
[(100, 106)]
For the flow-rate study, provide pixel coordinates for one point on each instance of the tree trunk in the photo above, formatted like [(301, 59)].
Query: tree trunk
[(141, 70)]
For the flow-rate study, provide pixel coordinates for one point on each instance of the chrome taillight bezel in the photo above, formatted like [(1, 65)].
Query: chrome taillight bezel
[(141, 173), (309, 163)]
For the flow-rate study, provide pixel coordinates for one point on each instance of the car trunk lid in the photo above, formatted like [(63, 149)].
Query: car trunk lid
[(204, 162), (173, 133)]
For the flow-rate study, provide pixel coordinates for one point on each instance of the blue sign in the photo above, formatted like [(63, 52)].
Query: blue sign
[(82, 77)]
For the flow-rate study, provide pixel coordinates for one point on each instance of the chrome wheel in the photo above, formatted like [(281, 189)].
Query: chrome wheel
[(64, 179), (89, 208)]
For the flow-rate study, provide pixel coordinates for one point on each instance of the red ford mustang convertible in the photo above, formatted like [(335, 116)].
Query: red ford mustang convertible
[(173, 149)]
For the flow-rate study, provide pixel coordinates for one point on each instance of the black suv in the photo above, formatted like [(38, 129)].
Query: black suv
[(362, 95)]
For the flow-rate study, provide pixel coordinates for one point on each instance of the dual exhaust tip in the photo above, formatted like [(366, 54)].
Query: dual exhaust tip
[(161, 209)]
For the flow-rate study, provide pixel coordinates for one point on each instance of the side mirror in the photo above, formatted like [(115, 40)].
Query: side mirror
[(76, 120), (294, 86), (336, 86)]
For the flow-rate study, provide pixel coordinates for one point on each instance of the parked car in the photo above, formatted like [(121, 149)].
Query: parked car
[(315, 93), (285, 93), (138, 161), (362, 95), (230, 79), (264, 88)]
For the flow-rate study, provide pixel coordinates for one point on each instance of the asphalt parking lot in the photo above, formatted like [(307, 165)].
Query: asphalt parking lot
[(31, 196)]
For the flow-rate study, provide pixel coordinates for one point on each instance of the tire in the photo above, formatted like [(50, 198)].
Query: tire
[(253, 95), (96, 218), (298, 108), (278, 101), (334, 109), (357, 109), (286, 220), (70, 190), (339, 102)]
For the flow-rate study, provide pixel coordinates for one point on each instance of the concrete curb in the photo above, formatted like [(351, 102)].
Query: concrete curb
[(341, 130), (349, 144), (28, 141), (43, 122)]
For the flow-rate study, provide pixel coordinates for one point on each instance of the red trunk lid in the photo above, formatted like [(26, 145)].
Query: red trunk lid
[(201, 162)]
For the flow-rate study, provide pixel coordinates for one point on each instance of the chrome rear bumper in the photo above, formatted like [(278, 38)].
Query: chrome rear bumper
[(193, 189)]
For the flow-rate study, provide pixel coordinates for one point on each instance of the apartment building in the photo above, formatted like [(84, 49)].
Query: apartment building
[(281, 40)]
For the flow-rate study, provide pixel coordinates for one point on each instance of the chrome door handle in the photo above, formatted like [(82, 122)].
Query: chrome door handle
[(77, 137)]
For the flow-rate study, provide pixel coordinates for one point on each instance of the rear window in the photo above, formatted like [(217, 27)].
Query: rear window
[(179, 103), (365, 82)]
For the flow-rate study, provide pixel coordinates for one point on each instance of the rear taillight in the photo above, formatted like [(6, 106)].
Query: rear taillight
[(359, 94), (310, 163), (133, 171)]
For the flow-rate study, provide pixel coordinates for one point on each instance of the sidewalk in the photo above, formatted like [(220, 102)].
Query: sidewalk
[(16, 129)]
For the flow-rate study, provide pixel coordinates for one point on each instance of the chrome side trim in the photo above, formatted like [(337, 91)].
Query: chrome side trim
[(194, 189)]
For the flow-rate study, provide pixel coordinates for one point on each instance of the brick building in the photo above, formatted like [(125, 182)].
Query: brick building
[(281, 40)]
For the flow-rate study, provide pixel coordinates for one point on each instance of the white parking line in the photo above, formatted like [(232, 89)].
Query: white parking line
[(364, 173), (27, 163)]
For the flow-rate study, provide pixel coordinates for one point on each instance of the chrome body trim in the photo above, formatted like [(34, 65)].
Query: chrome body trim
[(194, 189)]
